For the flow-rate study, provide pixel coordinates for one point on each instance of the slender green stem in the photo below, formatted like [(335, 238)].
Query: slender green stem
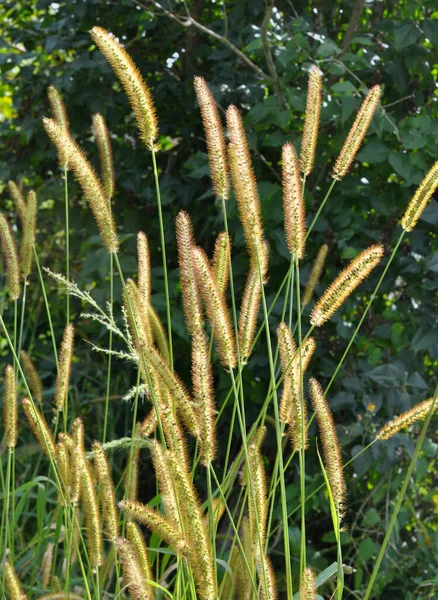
[(46, 302), (67, 244), (110, 342), (318, 212)]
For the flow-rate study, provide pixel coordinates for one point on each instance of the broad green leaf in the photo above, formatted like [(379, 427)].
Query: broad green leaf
[(406, 34)]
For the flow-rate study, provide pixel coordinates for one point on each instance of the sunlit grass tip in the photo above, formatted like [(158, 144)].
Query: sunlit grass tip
[(105, 154), (61, 117), (293, 203), (311, 122), (10, 253), (10, 407), (32, 376), (136, 539), (202, 378), (18, 199), (315, 274), (308, 584), (64, 371), (421, 197), (12, 583), (39, 426), (133, 576), (221, 261), (416, 413), (107, 494), (29, 233)]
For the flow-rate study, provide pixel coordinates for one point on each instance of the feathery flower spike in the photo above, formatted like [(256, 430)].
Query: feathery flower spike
[(221, 261), (416, 413), (39, 426), (149, 424), (65, 360), (216, 309), (10, 407), (244, 183), (90, 183), (13, 585), (131, 470), (308, 584), (356, 133), (160, 462), (202, 379), (29, 231), (172, 429), (345, 283), (257, 506), (268, 588), (133, 83), (293, 203), (190, 293), (77, 451), (421, 197), (136, 539), (107, 494), (33, 379), (214, 134), (60, 596), (105, 153), (11, 258), (158, 333), (137, 318), (144, 271), (330, 444), (315, 274), (19, 201), (132, 574), (61, 117), (311, 123), (90, 505), (62, 458), (46, 565)]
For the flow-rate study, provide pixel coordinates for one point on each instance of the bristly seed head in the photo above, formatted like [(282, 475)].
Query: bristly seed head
[(315, 274), (33, 379), (308, 584), (221, 261), (10, 407), (11, 258), (345, 283), (19, 201), (12, 583), (29, 232), (416, 413), (64, 371), (107, 494), (39, 427), (61, 117), (293, 203), (357, 133), (421, 197), (105, 153), (311, 123), (217, 151)]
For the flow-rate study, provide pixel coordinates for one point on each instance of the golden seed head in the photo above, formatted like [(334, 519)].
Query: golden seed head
[(10, 407), (190, 293), (107, 494), (268, 587), (132, 470), (105, 153), (357, 133), (257, 497), (159, 457), (144, 270), (29, 232), (158, 333), (64, 371), (173, 432), (137, 318), (345, 283), (214, 134), (217, 310), (135, 87), (221, 262), (308, 584), (293, 203), (90, 505), (90, 183), (33, 379), (46, 565), (132, 574), (315, 274), (9, 250), (61, 117), (62, 458), (244, 183), (12, 583), (136, 539), (330, 444), (311, 123), (421, 197), (149, 424), (416, 413), (39, 426), (18, 198)]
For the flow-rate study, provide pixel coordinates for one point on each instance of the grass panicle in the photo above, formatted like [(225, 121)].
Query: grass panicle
[(308, 585), (90, 506), (132, 470), (293, 203), (132, 574), (133, 83), (105, 154), (90, 183), (160, 463), (32, 376), (202, 378), (10, 407), (311, 122), (64, 372), (39, 426), (138, 545), (214, 134), (10, 253), (144, 271), (18, 199), (356, 133), (63, 462), (416, 413), (421, 197), (107, 494), (12, 583), (29, 233), (46, 565), (345, 283), (149, 424), (315, 274), (221, 262), (61, 117), (158, 334)]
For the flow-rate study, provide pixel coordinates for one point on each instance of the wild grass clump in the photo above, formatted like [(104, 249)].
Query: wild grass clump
[(98, 535)]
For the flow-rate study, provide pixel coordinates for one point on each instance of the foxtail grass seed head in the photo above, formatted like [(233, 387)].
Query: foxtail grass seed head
[(330, 444), (64, 371), (315, 274), (250, 306), (257, 500), (144, 270), (132, 471), (421, 197), (149, 424), (221, 262), (10, 407), (62, 458), (244, 183), (158, 333), (214, 134), (137, 319), (268, 586), (308, 584), (416, 413), (356, 133), (90, 506), (135, 87), (39, 426), (90, 183), (202, 378), (29, 232), (311, 122), (189, 287), (60, 596), (160, 462), (345, 283), (107, 494), (32, 377), (12, 583), (217, 310), (138, 545), (61, 117), (18, 199), (77, 452), (46, 565), (293, 203), (105, 154), (9, 250), (172, 429), (132, 575)]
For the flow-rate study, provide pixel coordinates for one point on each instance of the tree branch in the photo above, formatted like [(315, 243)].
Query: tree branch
[(352, 23), (268, 55)]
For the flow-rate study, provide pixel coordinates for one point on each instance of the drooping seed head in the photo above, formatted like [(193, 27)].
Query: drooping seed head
[(18, 198), (214, 134), (107, 494), (421, 197), (311, 123), (293, 203), (345, 283), (416, 413), (9, 250), (356, 133), (138, 545), (158, 333), (105, 154), (12, 583), (90, 506), (29, 232), (160, 462), (61, 117), (32, 377), (10, 407), (132, 574), (315, 274), (64, 371), (135, 87), (39, 426)]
